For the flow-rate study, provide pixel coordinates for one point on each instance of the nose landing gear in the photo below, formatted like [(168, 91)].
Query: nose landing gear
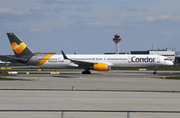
[(155, 70)]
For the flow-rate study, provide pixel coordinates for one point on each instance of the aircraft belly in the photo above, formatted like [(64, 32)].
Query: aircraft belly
[(133, 64)]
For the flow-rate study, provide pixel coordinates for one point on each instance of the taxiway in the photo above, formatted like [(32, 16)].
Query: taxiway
[(116, 90)]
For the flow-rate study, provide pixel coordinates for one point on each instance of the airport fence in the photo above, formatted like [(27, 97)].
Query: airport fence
[(94, 111)]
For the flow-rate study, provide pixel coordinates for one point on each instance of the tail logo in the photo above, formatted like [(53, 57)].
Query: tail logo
[(18, 48)]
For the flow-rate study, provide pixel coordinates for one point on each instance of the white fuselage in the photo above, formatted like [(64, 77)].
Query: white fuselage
[(111, 60)]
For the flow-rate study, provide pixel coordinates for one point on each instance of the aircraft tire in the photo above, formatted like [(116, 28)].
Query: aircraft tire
[(86, 72)]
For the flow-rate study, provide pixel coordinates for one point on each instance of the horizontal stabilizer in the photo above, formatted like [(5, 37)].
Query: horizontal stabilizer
[(16, 58)]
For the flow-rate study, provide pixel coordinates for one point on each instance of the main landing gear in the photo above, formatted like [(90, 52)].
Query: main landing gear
[(86, 71)]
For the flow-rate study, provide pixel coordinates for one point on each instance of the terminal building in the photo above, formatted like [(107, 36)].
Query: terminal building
[(164, 52), (177, 60)]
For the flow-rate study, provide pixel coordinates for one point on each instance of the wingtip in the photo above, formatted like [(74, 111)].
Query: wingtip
[(64, 55), (10, 33)]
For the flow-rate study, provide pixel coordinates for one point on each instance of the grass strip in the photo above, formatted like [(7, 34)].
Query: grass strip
[(175, 78), (11, 79)]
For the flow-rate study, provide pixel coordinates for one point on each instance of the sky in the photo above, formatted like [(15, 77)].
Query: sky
[(88, 26)]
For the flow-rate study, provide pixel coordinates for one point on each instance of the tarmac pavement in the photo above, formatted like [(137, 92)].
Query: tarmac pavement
[(98, 91)]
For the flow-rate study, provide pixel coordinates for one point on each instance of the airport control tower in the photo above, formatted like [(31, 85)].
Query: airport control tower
[(116, 39)]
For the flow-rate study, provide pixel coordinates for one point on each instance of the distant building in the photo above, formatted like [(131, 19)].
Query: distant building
[(165, 52), (177, 60), (139, 52), (115, 53)]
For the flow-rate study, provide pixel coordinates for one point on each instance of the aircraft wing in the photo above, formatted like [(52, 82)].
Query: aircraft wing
[(79, 63), (82, 63)]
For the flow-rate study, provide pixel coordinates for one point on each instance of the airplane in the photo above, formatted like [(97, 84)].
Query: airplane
[(97, 62), (4, 62)]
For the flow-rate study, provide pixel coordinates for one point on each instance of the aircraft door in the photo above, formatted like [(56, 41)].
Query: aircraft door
[(158, 59), (129, 59), (34, 59), (60, 59)]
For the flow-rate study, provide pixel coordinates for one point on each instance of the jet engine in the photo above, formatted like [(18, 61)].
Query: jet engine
[(101, 67)]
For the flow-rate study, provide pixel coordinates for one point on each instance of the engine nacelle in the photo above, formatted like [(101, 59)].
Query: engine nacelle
[(101, 67)]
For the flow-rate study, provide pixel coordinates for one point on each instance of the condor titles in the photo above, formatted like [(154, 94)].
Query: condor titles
[(147, 59)]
